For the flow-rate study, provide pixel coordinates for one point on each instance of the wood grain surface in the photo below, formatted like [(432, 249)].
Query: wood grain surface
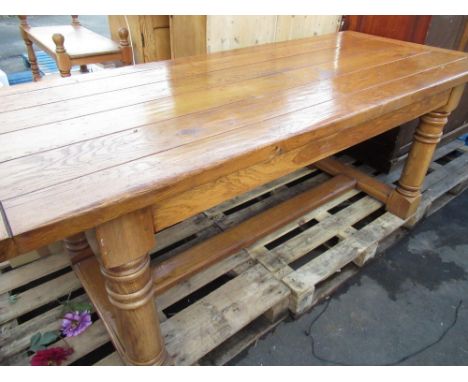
[(79, 152)]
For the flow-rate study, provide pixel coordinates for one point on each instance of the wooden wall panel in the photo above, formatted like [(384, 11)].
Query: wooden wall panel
[(231, 32), (188, 35), (406, 28), (156, 38), (293, 27), (150, 36), (446, 31)]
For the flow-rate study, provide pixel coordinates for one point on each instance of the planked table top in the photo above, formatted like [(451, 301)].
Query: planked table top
[(80, 151)]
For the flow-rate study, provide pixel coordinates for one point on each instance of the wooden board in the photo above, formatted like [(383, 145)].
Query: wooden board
[(302, 26), (406, 28), (188, 35), (49, 277), (232, 32), (149, 35), (268, 108)]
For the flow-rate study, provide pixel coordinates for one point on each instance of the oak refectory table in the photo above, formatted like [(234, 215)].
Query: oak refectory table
[(104, 161)]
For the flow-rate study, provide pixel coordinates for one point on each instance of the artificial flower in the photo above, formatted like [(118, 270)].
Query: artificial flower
[(51, 357), (75, 323)]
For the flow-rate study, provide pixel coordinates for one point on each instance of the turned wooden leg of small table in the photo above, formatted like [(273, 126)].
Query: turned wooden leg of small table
[(404, 200), (63, 59), (125, 47), (31, 56)]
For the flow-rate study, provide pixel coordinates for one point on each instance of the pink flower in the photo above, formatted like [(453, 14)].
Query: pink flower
[(75, 323), (51, 356)]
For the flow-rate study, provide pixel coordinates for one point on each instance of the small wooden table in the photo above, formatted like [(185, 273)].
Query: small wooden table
[(72, 45), (124, 153)]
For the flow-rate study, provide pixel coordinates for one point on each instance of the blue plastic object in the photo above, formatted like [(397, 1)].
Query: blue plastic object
[(20, 77), (45, 63), (464, 138)]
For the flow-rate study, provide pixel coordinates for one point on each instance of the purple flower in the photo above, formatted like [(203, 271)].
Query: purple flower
[(75, 323)]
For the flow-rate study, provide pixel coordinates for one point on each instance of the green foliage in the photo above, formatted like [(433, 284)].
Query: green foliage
[(39, 341), (70, 306), (75, 306)]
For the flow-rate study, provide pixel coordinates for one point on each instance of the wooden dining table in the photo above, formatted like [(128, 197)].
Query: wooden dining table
[(105, 160)]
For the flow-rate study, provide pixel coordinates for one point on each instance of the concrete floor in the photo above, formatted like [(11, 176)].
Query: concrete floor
[(398, 304), (12, 45)]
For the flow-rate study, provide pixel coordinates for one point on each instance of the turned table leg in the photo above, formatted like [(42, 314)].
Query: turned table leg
[(125, 48), (124, 244), (404, 200), (63, 59), (77, 247), (29, 47)]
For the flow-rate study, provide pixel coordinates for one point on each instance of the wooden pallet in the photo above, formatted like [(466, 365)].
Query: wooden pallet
[(214, 315)]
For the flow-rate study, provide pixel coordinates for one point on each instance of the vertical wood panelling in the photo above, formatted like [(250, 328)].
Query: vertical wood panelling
[(406, 28), (188, 35), (150, 36), (231, 32), (293, 27)]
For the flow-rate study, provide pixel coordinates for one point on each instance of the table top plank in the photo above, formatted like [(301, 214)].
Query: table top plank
[(168, 71), (241, 79), (104, 154), (59, 134), (80, 159), (227, 56), (217, 58)]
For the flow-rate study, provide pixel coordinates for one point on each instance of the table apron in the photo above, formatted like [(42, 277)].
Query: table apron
[(179, 207)]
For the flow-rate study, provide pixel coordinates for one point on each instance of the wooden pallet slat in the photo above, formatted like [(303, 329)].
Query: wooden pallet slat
[(36, 297), (303, 281), (200, 279), (33, 271), (258, 191), (112, 359), (452, 174), (325, 230), (208, 322)]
